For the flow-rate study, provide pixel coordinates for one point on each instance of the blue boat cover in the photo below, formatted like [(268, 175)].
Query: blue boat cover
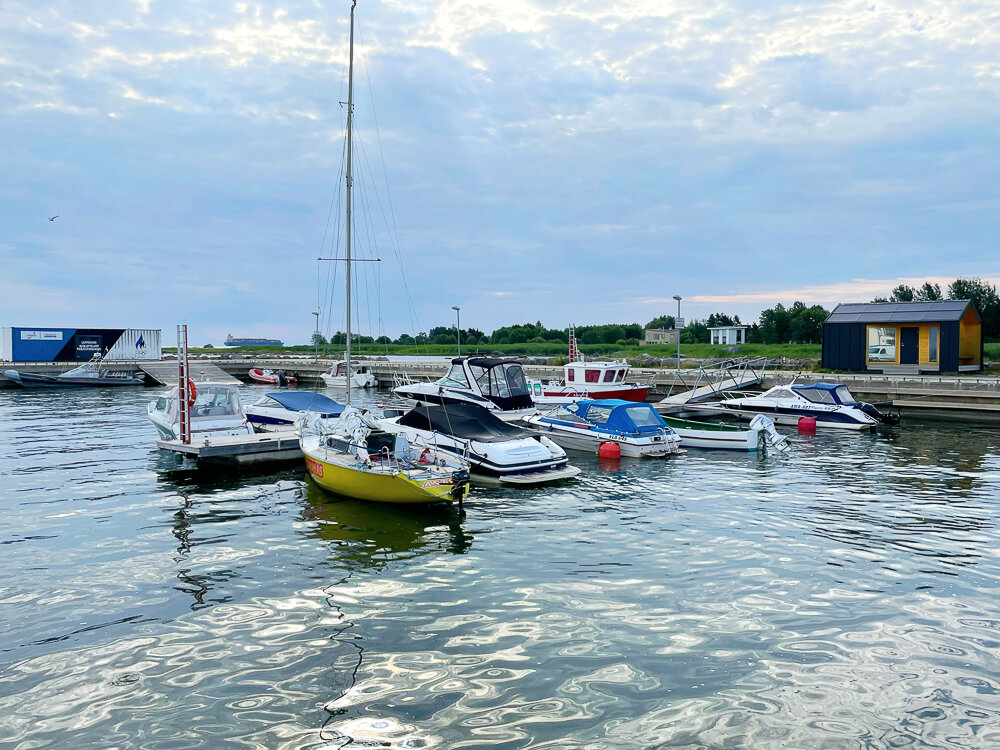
[(626, 417), (307, 401)]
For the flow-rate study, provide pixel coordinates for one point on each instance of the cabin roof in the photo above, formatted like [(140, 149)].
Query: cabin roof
[(900, 312)]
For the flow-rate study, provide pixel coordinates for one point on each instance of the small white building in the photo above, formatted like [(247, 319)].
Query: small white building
[(728, 335), (659, 336)]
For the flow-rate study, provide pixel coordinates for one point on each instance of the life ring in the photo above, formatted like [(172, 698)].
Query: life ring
[(192, 392)]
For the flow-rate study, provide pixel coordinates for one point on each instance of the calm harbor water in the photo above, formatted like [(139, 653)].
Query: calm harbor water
[(843, 596)]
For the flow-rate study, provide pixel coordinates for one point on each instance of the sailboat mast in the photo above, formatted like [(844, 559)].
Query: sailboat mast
[(350, 125)]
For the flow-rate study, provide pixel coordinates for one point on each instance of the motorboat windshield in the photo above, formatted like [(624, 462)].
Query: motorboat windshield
[(825, 393), (501, 381), (455, 378), (213, 401)]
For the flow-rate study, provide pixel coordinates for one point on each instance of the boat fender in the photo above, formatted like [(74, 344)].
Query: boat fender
[(192, 392), (609, 450), (807, 425)]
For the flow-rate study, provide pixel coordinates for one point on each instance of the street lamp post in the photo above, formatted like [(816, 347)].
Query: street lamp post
[(316, 335), (458, 328), (677, 324)]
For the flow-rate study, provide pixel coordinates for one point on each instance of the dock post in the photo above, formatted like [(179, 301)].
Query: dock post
[(183, 379)]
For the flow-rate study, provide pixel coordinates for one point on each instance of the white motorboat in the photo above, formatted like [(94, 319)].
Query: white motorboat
[(215, 410), (583, 425), (278, 411), (830, 404), (361, 376), (495, 384), (499, 452)]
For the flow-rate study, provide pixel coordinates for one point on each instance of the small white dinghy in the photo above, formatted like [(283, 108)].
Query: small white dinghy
[(215, 410)]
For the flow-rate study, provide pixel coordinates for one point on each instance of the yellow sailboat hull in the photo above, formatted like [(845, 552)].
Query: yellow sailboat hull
[(377, 487)]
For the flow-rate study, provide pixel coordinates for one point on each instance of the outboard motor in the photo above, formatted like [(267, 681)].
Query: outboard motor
[(282, 380), (881, 416), (773, 437)]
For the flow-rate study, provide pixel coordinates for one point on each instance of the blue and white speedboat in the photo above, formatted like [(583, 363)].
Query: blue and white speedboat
[(637, 428), (830, 404), (278, 411)]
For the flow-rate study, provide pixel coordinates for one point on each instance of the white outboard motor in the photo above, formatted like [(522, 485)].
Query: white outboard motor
[(773, 437)]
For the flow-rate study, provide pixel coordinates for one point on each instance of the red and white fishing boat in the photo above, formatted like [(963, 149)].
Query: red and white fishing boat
[(587, 380), (271, 377)]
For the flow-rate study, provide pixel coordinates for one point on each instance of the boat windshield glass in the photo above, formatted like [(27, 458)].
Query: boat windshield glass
[(609, 376), (515, 380), (214, 402), (643, 416), (501, 381), (455, 378), (598, 414), (817, 396), (844, 395)]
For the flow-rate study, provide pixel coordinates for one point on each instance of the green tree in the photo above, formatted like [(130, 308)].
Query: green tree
[(774, 325), (984, 297), (318, 339), (663, 321)]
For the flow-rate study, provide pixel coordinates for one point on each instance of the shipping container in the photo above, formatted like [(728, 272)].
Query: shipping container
[(41, 344)]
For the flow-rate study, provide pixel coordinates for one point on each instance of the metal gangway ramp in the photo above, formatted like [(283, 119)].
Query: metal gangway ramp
[(712, 380), (166, 372)]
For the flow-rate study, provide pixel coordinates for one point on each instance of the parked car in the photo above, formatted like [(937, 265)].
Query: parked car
[(881, 354)]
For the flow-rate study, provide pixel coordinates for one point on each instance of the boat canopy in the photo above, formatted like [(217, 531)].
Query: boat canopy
[(825, 393), (616, 415), (502, 381), (467, 421), (307, 401)]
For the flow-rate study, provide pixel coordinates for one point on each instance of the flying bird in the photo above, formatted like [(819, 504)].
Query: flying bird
[(53, 218)]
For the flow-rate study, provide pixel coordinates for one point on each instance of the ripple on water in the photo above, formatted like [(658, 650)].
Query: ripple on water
[(841, 596)]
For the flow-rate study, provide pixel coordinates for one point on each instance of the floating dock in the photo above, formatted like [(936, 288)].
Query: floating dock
[(238, 450)]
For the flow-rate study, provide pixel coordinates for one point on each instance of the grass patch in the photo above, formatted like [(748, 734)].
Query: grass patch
[(537, 349)]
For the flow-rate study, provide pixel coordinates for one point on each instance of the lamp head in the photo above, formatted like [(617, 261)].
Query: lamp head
[(677, 297)]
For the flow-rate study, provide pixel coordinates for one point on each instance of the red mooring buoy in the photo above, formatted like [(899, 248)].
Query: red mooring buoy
[(807, 425), (609, 450)]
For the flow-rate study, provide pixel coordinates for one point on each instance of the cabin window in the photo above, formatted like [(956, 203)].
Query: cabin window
[(621, 375), (845, 396), (609, 376), (593, 376), (932, 344), (598, 414), (817, 395), (571, 375), (881, 344), (643, 416)]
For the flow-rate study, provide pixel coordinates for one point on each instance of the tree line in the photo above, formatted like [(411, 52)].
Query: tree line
[(983, 295), (797, 324)]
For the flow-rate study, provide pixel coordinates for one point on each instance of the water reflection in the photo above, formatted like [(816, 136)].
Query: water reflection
[(372, 534)]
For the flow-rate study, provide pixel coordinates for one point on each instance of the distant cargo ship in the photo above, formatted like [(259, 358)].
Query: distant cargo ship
[(230, 341)]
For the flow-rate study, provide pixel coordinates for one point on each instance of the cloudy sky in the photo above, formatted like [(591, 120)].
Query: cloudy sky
[(564, 160)]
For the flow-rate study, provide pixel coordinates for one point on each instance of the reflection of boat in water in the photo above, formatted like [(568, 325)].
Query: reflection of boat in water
[(374, 532), (94, 374), (830, 404)]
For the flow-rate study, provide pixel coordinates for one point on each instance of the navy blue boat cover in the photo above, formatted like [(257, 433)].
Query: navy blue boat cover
[(307, 401)]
